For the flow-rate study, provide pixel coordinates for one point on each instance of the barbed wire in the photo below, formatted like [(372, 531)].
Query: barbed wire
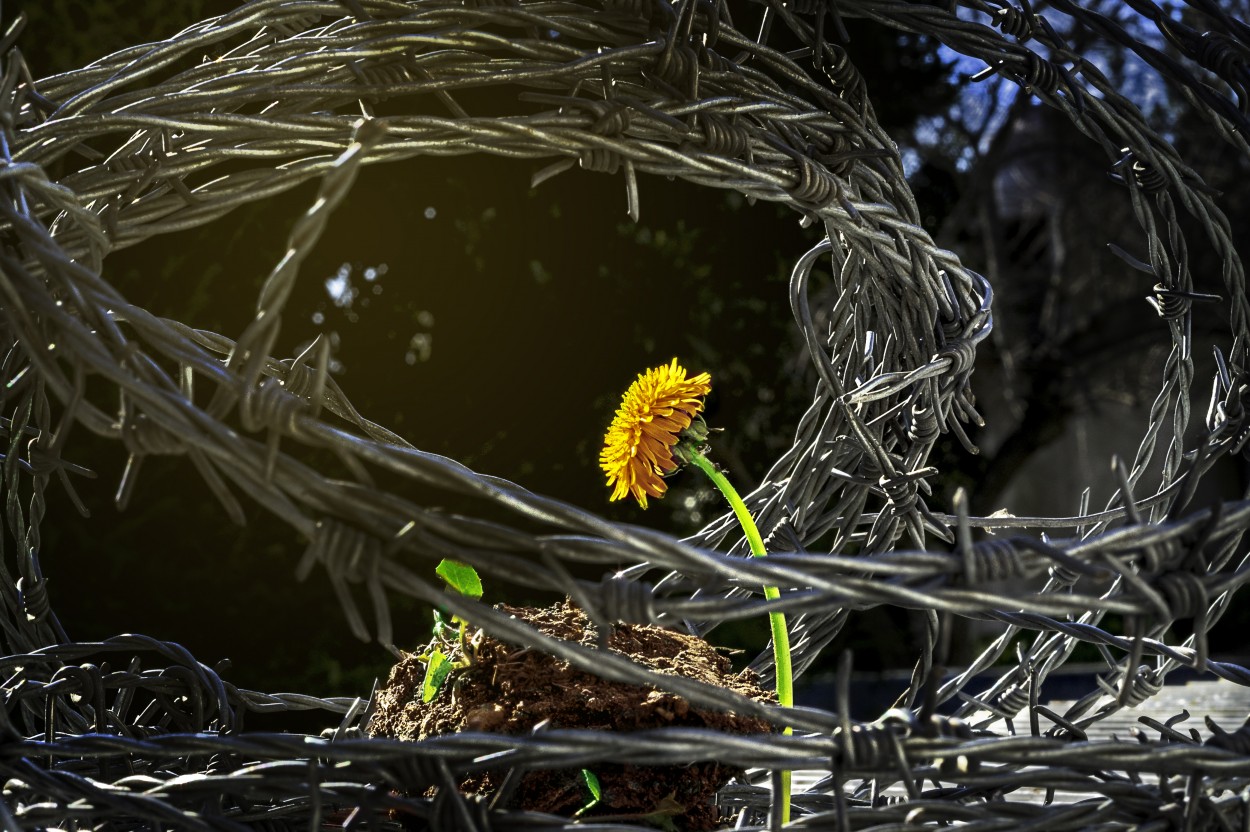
[(165, 136)]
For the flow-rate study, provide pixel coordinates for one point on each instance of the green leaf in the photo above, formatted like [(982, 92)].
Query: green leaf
[(461, 577), (436, 670), (592, 785)]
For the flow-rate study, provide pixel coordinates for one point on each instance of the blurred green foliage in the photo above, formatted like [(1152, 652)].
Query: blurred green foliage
[(67, 34)]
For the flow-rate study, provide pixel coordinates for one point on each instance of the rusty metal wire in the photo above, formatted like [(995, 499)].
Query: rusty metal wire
[(173, 134)]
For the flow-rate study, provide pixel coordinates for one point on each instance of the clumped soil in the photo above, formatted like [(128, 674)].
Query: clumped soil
[(509, 690)]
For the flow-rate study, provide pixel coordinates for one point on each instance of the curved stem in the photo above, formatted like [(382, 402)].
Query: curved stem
[(776, 620)]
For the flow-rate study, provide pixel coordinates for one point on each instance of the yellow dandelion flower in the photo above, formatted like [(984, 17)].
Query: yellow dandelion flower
[(638, 448)]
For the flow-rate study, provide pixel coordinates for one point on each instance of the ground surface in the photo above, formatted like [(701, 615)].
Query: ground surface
[(510, 689)]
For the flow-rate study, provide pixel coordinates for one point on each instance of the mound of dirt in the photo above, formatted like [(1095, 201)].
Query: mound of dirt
[(509, 690)]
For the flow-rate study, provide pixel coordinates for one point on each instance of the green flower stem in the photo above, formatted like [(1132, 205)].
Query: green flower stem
[(777, 620)]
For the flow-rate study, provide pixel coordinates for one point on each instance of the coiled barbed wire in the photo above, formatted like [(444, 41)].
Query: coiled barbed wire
[(617, 87)]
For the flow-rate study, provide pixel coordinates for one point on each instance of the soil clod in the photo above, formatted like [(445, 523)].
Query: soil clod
[(509, 690)]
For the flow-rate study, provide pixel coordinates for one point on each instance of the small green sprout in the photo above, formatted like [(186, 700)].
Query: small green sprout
[(463, 579), (592, 786), (436, 669)]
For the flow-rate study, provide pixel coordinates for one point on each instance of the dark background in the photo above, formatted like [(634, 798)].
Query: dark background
[(499, 324)]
